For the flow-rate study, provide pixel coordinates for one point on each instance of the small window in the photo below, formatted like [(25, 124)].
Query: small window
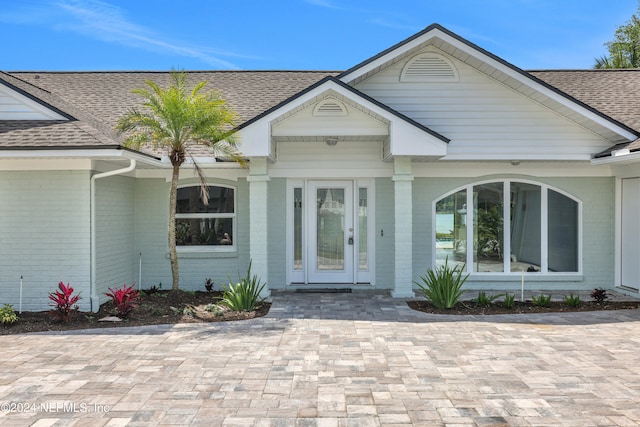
[(429, 67), (201, 225)]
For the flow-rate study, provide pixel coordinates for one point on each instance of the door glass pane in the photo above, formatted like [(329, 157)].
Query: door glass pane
[(363, 263), (525, 227), (451, 230), (297, 228), (330, 228), (563, 233), (488, 227)]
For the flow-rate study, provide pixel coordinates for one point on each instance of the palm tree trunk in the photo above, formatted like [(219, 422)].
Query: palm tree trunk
[(173, 254)]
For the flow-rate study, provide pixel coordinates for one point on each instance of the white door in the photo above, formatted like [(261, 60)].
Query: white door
[(630, 238), (330, 232)]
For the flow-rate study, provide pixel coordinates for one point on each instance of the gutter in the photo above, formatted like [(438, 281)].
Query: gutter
[(95, 298)]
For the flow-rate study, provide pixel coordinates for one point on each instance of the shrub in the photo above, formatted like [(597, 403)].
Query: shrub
[(599, 295), (572, 300), (484, 300), (7, 315), (245, 295), (509, 300), (542, 300), (64, 303), (125, 300), (153, 289), (442, 286)]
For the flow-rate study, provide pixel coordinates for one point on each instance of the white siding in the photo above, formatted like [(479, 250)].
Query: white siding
[(44, 236), (305, 123), (115, 233), (14, 106), (482, 117), (317, 159)]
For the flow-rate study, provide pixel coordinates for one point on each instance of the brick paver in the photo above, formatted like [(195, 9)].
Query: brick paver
[(360, 359)]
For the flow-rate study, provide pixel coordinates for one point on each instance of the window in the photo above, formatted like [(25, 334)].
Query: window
[(508, 226), (200, 225)]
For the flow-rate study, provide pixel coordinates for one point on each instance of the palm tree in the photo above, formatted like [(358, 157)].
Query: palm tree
[(175, 120)]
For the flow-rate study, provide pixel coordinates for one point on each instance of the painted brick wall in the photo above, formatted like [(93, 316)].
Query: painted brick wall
[(44, 235), (385, 271), (277, 246), (151, 223), (597, 196), (115, 234)]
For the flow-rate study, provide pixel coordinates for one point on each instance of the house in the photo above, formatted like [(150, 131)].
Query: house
[(432, 151)]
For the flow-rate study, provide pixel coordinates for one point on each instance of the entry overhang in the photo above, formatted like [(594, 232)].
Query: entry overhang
[(405, 136)]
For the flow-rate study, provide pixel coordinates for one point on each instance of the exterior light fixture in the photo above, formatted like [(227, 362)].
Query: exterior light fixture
[(332, 140)]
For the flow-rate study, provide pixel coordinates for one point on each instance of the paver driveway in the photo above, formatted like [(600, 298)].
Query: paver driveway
[(332, 360)]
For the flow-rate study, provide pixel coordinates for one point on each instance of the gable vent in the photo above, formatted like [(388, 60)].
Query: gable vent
[(330, 107), (429, 67)]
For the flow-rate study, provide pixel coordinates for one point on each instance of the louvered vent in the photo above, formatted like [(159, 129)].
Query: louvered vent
[(429, 67), (330, 107)]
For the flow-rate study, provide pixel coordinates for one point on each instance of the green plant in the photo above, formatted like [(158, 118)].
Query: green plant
[(509, 300), (7, 315), (572, 300), (245, 295), (215, 309), (64, 303), (484, 300), (599, 295), (541, 300), (208, 285), (443, 286), (125, 300)]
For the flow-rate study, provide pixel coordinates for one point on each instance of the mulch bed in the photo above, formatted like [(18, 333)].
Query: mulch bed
[(527, 307), (163, 307)]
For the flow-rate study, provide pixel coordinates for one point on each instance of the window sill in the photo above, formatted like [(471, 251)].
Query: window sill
[(204, 253)]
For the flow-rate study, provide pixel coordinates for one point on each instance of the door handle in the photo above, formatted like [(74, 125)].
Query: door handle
[(350, 240)]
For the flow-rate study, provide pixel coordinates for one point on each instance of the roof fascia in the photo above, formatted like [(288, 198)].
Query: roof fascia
[(436, 30), (79, 152)]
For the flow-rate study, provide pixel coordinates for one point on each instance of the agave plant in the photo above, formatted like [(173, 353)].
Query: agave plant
[(443, 286), (244, 295)]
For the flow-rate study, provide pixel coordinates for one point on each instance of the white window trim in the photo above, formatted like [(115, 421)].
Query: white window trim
[(185, 249), (544, 242)]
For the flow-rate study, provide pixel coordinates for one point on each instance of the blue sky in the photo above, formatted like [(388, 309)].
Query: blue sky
[(92, 35)]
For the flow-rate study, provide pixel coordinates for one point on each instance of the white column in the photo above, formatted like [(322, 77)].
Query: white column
[(403, 211), (258, 220)]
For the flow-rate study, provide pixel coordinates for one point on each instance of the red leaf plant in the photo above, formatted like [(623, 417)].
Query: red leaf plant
[(64, 303), (125, 300)]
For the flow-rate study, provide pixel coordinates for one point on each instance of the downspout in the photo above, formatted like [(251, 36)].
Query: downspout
[(95, 298)]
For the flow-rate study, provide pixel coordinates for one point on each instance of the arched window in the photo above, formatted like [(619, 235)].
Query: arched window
[(508, 227), (200, 225)]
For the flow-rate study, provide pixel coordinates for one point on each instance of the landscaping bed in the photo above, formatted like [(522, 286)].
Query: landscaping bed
[(162, 307), (473, 308)]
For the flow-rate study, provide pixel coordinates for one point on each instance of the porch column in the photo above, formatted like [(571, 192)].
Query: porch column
[(258, 220), (403, 212)]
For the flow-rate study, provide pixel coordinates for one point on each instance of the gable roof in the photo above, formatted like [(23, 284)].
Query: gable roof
[(500, 70), (604, 100)]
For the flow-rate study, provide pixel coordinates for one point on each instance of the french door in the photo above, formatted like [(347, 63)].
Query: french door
[(329, 232)]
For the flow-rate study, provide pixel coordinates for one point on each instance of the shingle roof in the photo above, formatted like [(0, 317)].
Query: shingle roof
[(97, 99), (615, 93)]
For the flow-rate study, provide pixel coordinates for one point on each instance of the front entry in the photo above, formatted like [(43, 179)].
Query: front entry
[(330, 230), (330, 233)]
